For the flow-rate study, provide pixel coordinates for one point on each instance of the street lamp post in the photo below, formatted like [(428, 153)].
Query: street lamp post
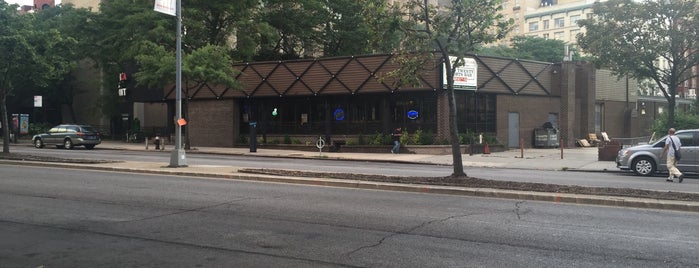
[(177, 157)]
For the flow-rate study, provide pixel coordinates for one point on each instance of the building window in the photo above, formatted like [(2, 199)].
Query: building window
[(546, 24), (533, 26), (558, 35), (546, 36), (478, 112), (360, 114), (574, 20), (559, 23), (573, 34)]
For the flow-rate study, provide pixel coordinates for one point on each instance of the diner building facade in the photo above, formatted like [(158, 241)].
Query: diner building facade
[(345, 97)]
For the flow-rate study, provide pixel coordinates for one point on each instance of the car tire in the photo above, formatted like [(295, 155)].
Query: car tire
[(644, 166), (89, 146), (68, 144), (38, 143)]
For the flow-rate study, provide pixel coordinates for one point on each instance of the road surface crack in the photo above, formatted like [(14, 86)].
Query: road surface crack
[(406, 231), (517, 207), (189, 210)]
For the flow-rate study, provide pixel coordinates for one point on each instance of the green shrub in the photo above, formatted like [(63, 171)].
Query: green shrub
[(295, 141), (468, 137), (404, 139), (490, 139), (380, 139), (423, 138), (287, 139), (360, 139)]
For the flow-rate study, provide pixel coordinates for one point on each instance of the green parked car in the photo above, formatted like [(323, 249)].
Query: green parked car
[(68, 136)]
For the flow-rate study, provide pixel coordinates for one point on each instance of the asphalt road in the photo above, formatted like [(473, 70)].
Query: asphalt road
[(80, 218)]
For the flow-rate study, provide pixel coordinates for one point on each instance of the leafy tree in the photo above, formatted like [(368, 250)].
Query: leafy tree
[(457, 28), (501, 50), (682, 121), (299, 28), (134, 37), (537, 48), (74, 23), (631, 38), (215, 22), (209, 65), (530, 48), (28, 50), (353, 31), (383, 21)]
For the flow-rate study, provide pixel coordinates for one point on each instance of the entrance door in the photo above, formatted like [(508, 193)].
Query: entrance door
[(513, 130)]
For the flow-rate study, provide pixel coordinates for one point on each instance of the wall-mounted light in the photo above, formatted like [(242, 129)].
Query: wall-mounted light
[(643, 108)]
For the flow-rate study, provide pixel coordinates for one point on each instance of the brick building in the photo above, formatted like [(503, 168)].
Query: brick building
[(347, 96)]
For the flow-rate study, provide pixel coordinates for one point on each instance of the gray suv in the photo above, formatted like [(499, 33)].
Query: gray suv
[(645, 159), (68, 136)]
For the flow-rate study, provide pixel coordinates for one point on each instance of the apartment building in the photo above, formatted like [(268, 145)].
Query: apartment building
[(555, 19), (94, 4)]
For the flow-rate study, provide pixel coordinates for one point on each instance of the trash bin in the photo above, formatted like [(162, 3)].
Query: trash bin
[(608, 151), (546, 137)]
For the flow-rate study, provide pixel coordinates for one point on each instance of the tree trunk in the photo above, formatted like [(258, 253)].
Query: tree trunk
[(454, 132), (5, 125), (671, 107), (453, 125)]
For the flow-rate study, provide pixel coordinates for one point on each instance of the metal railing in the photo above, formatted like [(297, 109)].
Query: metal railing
[(628, 142)]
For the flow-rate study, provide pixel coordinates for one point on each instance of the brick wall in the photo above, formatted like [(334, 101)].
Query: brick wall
[(211, 123), (533, 113)]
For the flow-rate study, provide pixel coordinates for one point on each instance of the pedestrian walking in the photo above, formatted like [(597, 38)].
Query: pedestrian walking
[(395, 136), (672, 148)]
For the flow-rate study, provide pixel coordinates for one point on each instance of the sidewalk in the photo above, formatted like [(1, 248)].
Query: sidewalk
[(583, 159)]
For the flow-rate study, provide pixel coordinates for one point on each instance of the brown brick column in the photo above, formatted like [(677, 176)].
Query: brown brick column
[(211, 122), (568, 107)]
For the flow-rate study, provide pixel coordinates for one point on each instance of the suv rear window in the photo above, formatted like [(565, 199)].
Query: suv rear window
[(88, 129)]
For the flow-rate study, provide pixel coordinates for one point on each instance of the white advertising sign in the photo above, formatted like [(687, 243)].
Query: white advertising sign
[(166, 6), (38, 101), (465, 76)]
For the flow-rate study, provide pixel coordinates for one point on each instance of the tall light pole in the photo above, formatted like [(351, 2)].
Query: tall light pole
[(177, 157)]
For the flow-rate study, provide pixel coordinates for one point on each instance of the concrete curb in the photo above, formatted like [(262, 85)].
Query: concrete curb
[(416, 188)]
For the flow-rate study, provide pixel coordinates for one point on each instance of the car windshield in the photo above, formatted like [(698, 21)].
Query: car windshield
[(660, 139)]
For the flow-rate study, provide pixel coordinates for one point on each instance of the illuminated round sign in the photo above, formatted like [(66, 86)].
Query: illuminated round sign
[(412, 114), (339, 114)]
